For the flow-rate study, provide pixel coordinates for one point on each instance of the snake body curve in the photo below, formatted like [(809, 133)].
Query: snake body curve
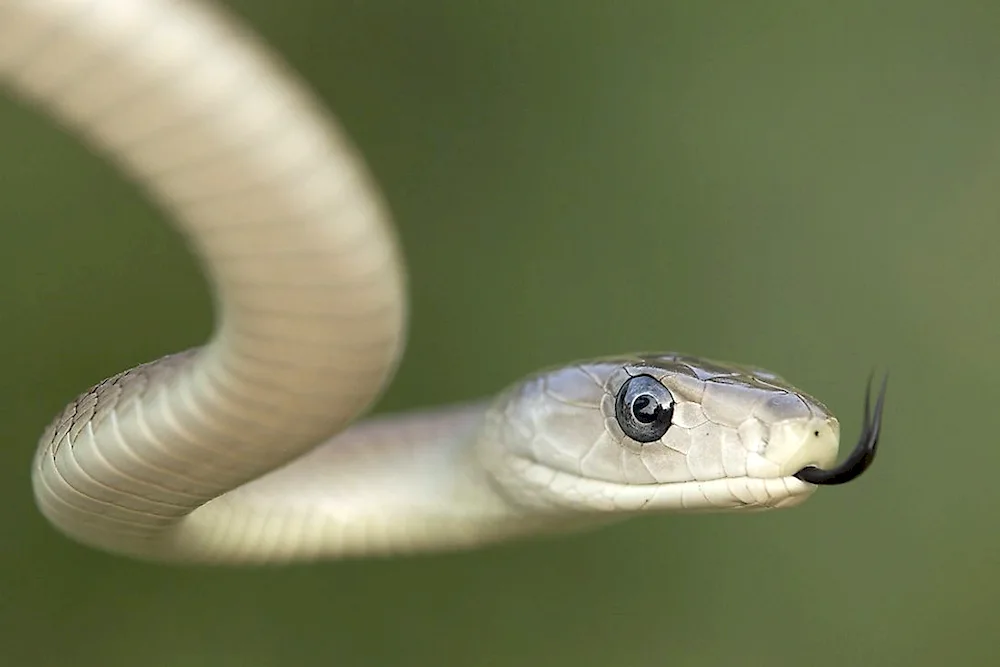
[(243, 450)]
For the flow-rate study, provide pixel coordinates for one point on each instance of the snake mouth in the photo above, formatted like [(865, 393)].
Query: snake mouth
[(863, 454)]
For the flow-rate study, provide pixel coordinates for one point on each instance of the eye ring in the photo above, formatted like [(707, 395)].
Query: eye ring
[(644, 408)]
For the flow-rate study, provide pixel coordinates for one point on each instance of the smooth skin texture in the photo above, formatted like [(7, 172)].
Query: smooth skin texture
[(243, 451)]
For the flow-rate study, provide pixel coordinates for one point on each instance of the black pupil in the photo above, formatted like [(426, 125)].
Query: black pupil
[(646, 409)]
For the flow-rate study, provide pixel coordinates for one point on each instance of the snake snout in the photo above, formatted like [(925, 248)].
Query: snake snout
[(798, 443), (861, 457)]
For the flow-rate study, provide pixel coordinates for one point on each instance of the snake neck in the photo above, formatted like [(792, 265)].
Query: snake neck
[(395, 484)]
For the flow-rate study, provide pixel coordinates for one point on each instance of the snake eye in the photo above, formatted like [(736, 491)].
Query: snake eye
[(644, 408)]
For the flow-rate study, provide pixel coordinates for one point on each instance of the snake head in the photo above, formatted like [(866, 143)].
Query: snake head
[(665, 432)]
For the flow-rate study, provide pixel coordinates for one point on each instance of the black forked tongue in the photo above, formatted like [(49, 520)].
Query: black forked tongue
[(861, 458)]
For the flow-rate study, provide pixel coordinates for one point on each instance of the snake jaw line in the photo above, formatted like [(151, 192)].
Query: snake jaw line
[(863, 454)]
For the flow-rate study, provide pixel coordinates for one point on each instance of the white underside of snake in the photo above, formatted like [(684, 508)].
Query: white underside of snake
[(244, 450)]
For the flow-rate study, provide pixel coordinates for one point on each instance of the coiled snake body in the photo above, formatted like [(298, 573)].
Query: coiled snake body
[(243, 450)]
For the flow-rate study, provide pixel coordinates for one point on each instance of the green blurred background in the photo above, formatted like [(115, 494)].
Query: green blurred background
[(811, 187)]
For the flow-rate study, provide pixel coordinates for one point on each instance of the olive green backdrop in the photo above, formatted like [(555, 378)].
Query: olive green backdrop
[(812, 187)]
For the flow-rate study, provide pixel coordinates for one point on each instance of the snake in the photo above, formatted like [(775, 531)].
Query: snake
[(257, 446)]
